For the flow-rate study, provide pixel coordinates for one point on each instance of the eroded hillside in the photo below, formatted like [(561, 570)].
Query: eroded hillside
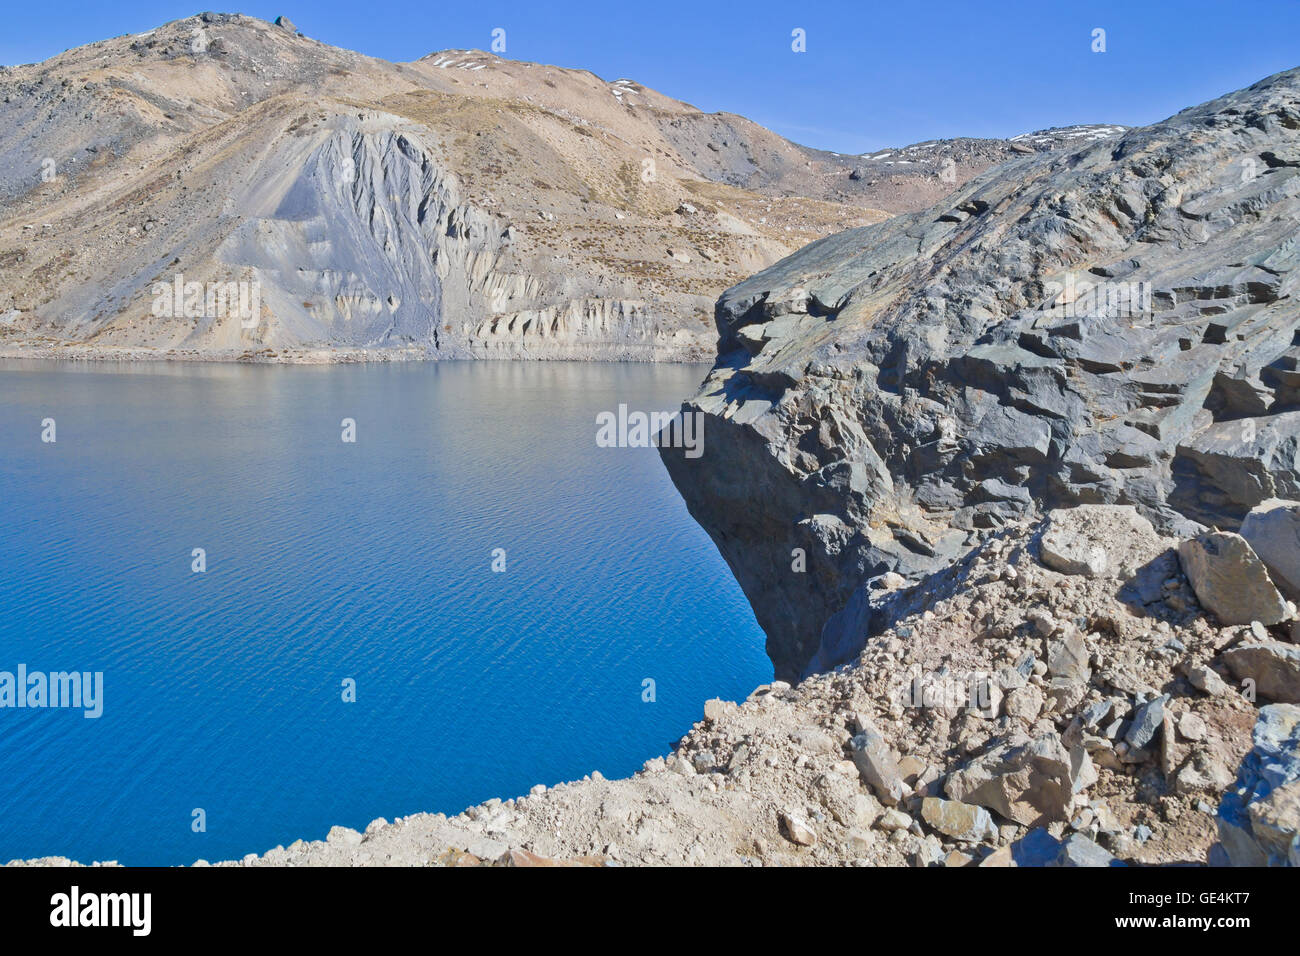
[(461, 205)]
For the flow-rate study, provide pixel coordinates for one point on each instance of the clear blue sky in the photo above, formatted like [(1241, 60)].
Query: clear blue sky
[(874, 74)]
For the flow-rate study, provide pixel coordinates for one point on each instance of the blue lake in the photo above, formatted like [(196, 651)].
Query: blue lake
[(328, 562)]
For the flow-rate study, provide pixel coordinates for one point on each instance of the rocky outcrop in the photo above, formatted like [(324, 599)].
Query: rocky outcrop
[(1116, 324)]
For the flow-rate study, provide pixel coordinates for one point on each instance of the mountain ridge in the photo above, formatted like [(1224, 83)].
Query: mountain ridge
[(575, 217)]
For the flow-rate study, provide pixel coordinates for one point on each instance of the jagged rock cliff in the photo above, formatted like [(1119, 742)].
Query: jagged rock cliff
[(1116, 324)]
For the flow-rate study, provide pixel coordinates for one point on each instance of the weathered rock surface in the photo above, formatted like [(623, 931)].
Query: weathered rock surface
[(1272, 665), (797, 830), (1273, 530), (878, 765), (1116, 325), (1259, 817), (1231, 580), (1097, 540), (1030, 783), (961, 821)]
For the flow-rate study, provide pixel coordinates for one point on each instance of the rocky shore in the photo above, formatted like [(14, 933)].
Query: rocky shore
[(1059, 696)]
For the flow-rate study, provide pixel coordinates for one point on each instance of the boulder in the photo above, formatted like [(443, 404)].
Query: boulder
[(796, 830), (961, 821), (1068, 658), (1230, 580), (1207, 680), (1191, 727), (928, 851), (1204, 772), (1094, 540), (1259, 816), (1078, 850), (1024, 703), (1146, 722), (894, 819), (878, 766), (1064, 694), (1071, 553), (1029, 783), (1273, 530), (1272, 665)]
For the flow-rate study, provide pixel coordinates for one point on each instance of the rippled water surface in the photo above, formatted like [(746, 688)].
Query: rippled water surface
[(328, 561)]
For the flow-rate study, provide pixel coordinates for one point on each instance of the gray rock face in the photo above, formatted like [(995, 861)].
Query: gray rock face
[(1115, 325), (1259, 817)]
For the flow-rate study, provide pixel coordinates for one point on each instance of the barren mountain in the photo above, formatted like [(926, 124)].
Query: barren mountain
[(460, 205)]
